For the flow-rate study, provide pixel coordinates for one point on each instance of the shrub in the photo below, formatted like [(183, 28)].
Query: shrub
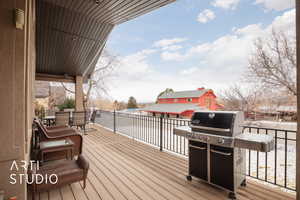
[(39, 110), (67, 104)]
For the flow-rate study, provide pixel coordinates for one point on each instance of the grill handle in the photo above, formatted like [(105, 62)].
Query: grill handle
[(220, 152), (196, 147), (211, 128)]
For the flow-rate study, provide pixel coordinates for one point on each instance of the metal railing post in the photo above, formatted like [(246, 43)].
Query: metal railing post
[(114, 121), (281, 138), (161, 133)]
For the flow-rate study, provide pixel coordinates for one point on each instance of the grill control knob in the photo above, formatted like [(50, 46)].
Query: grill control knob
[(221, 141)]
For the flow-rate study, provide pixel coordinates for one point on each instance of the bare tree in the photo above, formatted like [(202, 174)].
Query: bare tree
[(241, 99), (97, 83), (120, 105), (273, 63)]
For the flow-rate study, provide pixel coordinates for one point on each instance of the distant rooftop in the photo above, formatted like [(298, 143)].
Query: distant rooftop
[(42, 89), (275, 108), (184, 94), (172, 108)]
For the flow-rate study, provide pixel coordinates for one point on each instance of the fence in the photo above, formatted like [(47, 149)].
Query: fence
[(276, 167), (279, 166)]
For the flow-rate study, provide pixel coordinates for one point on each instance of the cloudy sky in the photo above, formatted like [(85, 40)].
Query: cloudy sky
[(191, 44)]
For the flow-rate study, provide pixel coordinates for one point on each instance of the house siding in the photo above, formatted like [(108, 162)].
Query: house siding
[(208, 96), (17, 69), (204, 101)]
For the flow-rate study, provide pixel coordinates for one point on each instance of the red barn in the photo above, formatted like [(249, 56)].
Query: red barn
[(183, 104)]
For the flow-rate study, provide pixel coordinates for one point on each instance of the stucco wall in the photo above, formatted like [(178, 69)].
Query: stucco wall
[(17, 69)]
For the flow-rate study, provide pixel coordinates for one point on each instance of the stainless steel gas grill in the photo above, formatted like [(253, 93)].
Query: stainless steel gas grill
[(217, 148)]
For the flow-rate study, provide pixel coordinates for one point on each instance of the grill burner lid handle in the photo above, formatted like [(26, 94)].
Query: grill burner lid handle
[(220, 152), (221, 141), (210, 128), (195, 121)]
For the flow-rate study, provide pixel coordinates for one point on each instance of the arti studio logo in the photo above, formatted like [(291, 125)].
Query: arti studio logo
[(30, 178)]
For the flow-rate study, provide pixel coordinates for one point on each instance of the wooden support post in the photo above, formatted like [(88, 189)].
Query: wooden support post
[(298, 99), (79, 94)]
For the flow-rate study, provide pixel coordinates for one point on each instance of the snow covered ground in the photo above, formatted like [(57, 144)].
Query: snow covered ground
[(273, 124)]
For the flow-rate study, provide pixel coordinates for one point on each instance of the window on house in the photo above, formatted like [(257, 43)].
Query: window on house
[(208, 102)]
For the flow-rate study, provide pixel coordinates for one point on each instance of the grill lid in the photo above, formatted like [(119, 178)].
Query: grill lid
[(215, 122)]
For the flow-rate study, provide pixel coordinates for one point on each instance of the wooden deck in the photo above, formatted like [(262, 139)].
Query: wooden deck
[(121, 168)]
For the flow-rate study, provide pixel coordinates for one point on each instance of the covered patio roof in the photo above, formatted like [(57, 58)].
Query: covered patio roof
[(72, 34)]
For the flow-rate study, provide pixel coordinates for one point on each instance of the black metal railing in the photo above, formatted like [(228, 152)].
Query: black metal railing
[(276, 167), (156, 131)]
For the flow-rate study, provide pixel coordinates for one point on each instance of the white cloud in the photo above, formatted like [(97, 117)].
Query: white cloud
[(172, 56), (213, 64), (135, 64), (168, 42), (224, 60), (277, 5), (226, 4), (137, 77), (167, 46), (238, 42), (205, 16), (189, 71), (285, 22), (172, 47)]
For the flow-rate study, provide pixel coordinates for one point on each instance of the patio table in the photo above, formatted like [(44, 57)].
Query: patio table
[(65, 145)]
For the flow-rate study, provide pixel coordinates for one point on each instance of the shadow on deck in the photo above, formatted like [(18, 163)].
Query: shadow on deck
[(121, 168)]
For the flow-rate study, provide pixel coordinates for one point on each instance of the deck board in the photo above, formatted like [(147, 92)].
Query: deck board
[(43, 196), (55, 194), (168, 176), (138, 176), (133, 182), (99, 188), (121, 168), (67, 193)]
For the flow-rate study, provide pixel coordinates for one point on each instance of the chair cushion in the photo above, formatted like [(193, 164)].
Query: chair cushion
[(67, 171)]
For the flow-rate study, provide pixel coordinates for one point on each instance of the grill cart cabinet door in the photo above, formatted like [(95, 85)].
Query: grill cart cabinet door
[(221, 166), (198, 159)]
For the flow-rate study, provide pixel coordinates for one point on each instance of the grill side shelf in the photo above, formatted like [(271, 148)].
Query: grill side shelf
[(182, 131), (257, 142)]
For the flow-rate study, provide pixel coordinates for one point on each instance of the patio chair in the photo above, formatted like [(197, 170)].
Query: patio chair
[(62, 118), (79, 119), (67, 172), (50, 112), (57, 133)]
